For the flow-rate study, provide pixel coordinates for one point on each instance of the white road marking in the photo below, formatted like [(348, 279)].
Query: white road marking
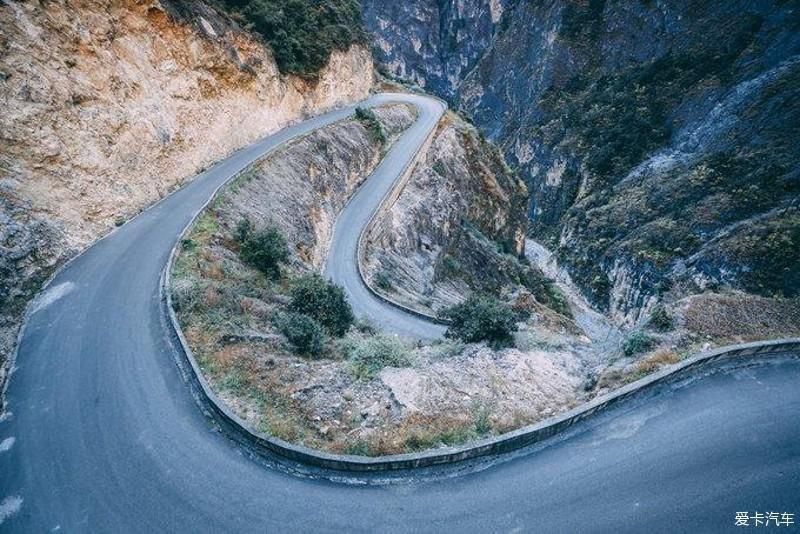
[(6, 444)]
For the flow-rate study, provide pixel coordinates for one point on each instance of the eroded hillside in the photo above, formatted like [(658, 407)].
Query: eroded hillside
[(358, 390), (108, 106), (457, 226), (657, 138)]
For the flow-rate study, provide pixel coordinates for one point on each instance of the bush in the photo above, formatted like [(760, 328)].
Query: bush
[(661, 320), (265, 250), (244, 230), (370, 121), (557, 300), (383, 281), (637, 342), (369, 355), (302, 331), (324, 301), (481, 318)]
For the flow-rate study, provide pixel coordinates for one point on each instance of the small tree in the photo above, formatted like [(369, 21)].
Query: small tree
[(302, 331), (637, 342), (324, 301), (481, 318), (264, 249)]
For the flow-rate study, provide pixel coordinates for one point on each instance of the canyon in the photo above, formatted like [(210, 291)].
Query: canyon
[(656, 139)]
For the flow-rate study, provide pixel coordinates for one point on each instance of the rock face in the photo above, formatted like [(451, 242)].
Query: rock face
[(302, 188), (108, 106), (434, 44), (657, 138), (457, 226)]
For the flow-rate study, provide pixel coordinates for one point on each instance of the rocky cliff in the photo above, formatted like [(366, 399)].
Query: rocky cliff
[(110, 105), (657, 138), (434, 44), (457, 226)]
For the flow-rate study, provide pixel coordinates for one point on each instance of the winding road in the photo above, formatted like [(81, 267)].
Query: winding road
[(103, 435), (342, 265)]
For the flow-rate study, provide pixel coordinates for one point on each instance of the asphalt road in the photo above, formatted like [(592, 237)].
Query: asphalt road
[(103, 435), (341, 265)]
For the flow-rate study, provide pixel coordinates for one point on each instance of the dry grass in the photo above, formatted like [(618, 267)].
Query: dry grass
[(417, 433), (656, 360), (738, 317), (651, 362)]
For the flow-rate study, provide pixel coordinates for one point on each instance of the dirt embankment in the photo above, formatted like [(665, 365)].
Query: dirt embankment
[(109, 106), (419, 397)]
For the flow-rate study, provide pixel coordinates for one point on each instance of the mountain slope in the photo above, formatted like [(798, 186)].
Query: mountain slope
[(658, 139), (109, 106)]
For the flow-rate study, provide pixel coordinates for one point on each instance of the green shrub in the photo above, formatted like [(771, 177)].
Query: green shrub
[(303, 332), (244, 229), (367, 356), (383, 281), (370, 121), (302, 33), (324, 301), (637, 342), (661, 320), (557, 299), (265, 250), (481, 318)]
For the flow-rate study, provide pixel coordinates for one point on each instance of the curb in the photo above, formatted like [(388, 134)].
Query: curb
[(236, 429), (384, 205)]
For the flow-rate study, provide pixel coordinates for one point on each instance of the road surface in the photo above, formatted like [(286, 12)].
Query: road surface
[(341, 265), (103, 435)]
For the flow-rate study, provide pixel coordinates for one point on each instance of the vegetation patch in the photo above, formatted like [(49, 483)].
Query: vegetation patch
[(304, 333), (302, 33), (481, 318), (367, 117), (264, 249), (637, 342), (323, 301), (368, 356)]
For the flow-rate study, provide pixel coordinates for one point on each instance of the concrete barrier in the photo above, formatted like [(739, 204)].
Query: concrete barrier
[(272, 448), (386, 203)]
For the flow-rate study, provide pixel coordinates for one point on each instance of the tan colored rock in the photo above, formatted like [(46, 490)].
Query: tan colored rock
[(110, 105)]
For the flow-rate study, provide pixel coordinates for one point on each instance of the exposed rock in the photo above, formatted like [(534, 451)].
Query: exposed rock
[(434, 44), (108, 106), (510, 383), (303, 187), (457, 226), (652, 135)]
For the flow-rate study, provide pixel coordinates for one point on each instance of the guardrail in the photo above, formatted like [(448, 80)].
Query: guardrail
[(270, 447)]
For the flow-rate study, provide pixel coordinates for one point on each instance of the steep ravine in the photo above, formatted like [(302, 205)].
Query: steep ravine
[(108, 106), (657, 139)]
